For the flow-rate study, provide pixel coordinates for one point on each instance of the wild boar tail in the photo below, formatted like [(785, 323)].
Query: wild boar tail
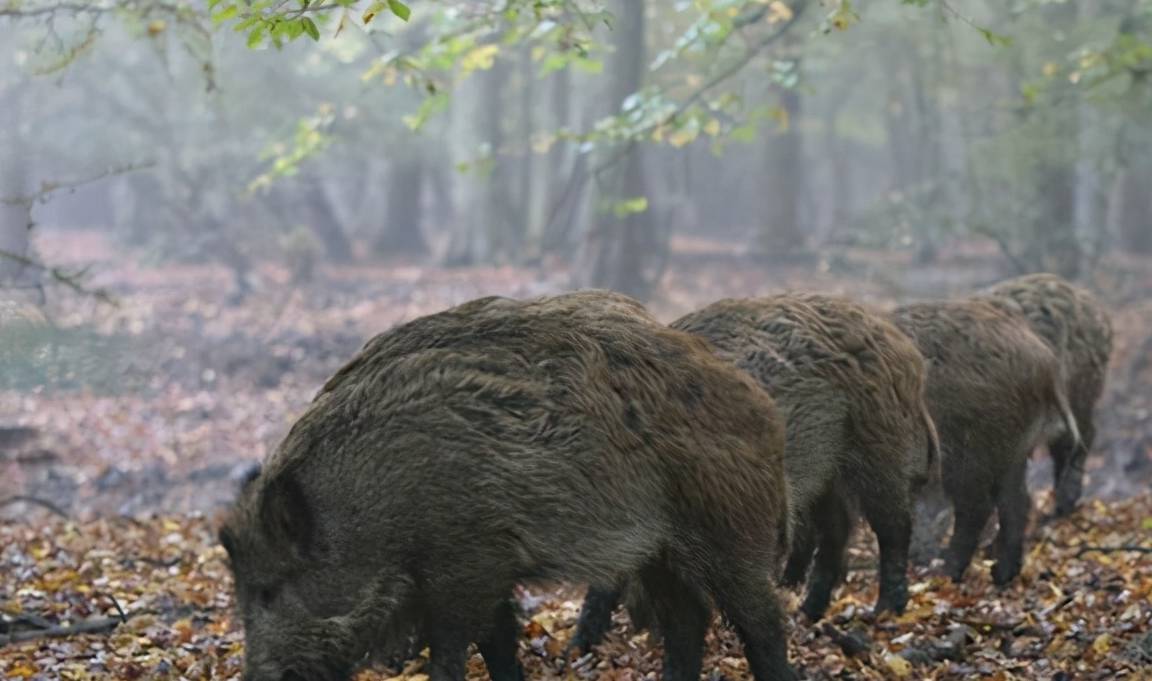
[(932, 455), (1068, 419)]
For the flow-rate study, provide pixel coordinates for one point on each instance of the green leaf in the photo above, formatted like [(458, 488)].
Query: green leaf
[(225, 14), (626, 207), (995, 39), (255, 37), (310, 28), (400, 9)]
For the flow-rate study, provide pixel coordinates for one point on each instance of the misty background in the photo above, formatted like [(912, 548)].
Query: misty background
[(215, 227)]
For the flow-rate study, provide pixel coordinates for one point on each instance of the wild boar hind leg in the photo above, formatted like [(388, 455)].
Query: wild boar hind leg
[(1012, 507), (682, 618), (890, 516), (499, 647), (595, 617), (833, 522)]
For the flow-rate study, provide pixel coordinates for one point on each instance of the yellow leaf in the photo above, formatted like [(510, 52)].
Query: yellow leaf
[(22, 670), (1102, 643), (1050, 69), (157, 27), (899, 666), (778, 11), (479, 58), (712, 127), (682, 137)]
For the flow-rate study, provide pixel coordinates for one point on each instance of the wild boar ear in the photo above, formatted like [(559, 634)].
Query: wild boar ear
[(286, 514)]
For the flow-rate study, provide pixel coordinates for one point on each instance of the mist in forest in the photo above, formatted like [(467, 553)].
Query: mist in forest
[(189, 208)]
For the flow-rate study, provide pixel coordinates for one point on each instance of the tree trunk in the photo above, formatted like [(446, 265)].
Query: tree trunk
[(783, 231), (624, 251), (402, 232), (489, 231), (324, 222), (560, 199), (15, 216), (1054, 231), (1134, 210), (525, 156)]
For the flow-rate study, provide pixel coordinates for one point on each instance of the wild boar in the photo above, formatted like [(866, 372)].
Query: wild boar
[(567, 438), (1078, 329), (994, 391), (859, 437)]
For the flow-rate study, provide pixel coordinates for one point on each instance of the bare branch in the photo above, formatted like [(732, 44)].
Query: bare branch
[(49, 187), (35, 501), (71, 280)]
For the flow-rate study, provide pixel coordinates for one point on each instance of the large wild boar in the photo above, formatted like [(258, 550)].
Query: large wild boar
[(1077, 328), (567, 438), (994, 392), (851, 387)]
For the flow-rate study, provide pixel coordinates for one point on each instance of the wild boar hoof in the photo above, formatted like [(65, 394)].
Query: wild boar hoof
[(1003, 573)]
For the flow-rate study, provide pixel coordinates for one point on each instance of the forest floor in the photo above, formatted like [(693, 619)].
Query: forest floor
[(140, 416)]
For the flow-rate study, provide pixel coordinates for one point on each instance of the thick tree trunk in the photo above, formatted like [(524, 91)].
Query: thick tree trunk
[(1134, 210), (15, 216), (402, 232), (783, 231), (489, 231), (624, 251), (559, 198), (1056, 245)]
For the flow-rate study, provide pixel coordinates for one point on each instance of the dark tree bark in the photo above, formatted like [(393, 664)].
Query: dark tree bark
[(784, 234), (625, 253)]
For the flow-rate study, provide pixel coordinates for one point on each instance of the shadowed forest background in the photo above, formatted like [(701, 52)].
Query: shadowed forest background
[(207, 208)]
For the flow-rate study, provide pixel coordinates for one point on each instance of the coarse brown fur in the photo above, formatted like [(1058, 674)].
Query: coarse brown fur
[(851, 386), (994, 392), (566, 438), (1078, 329)]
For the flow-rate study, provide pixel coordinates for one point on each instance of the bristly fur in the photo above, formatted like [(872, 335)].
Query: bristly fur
[(994, 391), (564, 438), (852, 389), (1077, 327)]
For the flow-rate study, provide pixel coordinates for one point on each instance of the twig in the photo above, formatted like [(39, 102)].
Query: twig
[(1114, 549), (71, 280), (123, 617), (48, 187), (35, 501), (1060, 605), (92, 626)]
